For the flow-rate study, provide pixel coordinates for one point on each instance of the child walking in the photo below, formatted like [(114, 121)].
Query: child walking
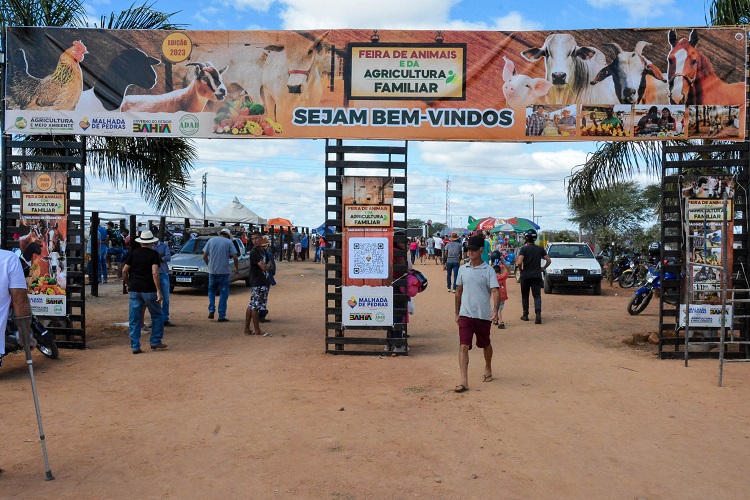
[(502, 272)]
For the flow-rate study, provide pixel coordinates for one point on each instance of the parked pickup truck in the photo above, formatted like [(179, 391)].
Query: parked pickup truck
[(187, 267)]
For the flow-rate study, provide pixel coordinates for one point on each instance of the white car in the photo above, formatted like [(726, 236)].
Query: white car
[(573, 265)]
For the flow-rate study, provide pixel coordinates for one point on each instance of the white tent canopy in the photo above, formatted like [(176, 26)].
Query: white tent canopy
[(185, 213), (237, 212), (198, 209)]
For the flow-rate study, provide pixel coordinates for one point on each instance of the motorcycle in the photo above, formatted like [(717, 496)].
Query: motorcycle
[(45, 340), (633, 273), (642, 296)]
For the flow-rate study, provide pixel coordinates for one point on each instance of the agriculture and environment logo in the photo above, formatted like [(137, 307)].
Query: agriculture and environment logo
[(21, 123), (189, 125)]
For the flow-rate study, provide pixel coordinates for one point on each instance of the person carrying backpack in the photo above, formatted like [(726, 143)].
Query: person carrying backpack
[(116, 247)]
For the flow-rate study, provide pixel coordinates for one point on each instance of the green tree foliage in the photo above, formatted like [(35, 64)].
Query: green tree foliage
[(620, 208), (414, 223), (437, 227), (564, 235), (158, 169)]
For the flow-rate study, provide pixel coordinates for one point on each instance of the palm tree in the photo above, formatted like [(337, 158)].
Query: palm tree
[(616, 162), (159, 169)]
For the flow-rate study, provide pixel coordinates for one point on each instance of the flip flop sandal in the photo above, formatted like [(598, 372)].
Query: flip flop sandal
[(461, 388), (487, 378)]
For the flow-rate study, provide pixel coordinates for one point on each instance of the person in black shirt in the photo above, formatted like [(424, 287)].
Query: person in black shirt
[(140, 274), (530, 260), (258, 284)]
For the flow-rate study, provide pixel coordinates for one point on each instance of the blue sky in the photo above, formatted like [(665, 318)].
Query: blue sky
[(285, 177)]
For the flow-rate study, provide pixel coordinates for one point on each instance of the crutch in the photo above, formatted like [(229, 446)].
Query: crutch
[(48, 472)]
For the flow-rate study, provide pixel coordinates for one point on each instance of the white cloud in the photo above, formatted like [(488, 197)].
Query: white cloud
[(384, 14), (200, 18), (636, 9), (258, 5)]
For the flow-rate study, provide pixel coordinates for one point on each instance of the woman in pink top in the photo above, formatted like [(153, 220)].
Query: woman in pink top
[(413, 246)]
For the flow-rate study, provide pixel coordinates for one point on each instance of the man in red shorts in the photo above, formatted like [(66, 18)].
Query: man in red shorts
[(476, 282)]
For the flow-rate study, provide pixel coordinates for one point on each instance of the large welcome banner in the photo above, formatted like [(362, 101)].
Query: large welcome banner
[(359, 84)]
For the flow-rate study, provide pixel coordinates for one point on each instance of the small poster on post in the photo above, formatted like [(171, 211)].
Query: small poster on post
[(42, 240), (367, 306), (706, 316)]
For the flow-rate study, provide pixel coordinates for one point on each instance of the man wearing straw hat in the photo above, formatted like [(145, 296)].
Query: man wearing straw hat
[(140, 274)]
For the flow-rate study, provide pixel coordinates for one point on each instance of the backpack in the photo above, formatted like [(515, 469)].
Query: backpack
[(422, 279), (116, 239)]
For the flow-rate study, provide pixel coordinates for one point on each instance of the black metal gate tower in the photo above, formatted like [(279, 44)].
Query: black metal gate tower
[(732, 159), (68, 156), (391, 161)]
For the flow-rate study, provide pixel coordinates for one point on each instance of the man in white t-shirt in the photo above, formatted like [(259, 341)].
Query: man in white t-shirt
[(438, 248), (13, 288)]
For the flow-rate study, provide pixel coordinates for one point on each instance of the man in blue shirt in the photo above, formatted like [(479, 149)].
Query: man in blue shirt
[(103, 248), (164, 256), (216, 254)]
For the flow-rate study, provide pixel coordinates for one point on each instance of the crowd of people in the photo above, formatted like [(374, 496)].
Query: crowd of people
[(145, 273), (477, 267)]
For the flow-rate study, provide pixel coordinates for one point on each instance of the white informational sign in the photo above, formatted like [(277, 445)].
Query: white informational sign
[(367, 306), (368, 258), (47, 305), (706, 315)]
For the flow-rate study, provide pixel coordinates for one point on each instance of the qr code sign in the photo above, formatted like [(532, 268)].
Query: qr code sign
[(368, 257)]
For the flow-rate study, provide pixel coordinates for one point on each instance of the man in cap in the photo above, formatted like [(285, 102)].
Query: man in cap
[(140, 275), (216, 254), (530, 260), (477, 283), (452, 260)]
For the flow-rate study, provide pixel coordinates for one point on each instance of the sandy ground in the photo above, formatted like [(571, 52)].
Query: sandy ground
[(572, 411)]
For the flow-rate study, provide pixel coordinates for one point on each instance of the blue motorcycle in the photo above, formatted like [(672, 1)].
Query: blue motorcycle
[(642, 296)]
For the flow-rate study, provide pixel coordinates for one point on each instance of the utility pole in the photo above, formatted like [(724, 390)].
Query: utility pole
[(203, 193), (448, 221), (532, 207)]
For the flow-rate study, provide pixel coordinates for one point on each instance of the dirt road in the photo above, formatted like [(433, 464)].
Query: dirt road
[(571, 412)]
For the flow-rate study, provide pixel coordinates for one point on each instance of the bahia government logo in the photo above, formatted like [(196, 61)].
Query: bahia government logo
[(189, 125)]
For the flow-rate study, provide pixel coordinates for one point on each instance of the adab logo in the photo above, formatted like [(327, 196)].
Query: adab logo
[(189, 125), (379, 317)]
